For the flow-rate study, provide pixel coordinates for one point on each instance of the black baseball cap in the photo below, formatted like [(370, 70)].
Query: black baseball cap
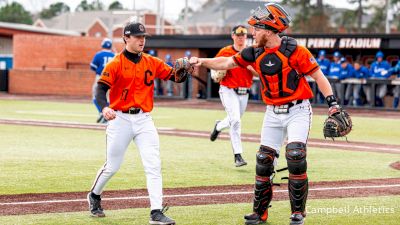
[(239, 30), (135, 29)]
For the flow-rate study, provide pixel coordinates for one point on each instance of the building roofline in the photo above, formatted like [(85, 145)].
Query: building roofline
[(34, 29)]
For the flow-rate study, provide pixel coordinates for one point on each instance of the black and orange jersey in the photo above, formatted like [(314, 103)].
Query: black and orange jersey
[(236, 77), (132, 84), (282, 70)]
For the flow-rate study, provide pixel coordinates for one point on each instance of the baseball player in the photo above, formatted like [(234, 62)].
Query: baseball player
[(396, 90), (361, 72), (234, 93), (98, 63), (129, 77), (282, 65), (380, 69)]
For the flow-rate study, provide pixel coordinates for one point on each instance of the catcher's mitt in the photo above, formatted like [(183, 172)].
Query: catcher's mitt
[(218, 75), (183, 68), (338, 123)]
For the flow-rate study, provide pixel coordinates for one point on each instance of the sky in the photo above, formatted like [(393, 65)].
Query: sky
[(171, 7)]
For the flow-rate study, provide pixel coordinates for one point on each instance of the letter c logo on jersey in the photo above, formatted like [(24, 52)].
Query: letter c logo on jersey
[(147, 74)]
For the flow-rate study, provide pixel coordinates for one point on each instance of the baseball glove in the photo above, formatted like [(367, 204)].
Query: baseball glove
[(182, 69), (218, 75), (338, 123)]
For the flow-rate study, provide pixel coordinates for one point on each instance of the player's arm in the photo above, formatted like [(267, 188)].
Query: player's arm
[(323, 83), (218, 63)]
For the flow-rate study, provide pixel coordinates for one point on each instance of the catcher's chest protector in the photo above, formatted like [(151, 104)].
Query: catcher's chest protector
[(278, 78)]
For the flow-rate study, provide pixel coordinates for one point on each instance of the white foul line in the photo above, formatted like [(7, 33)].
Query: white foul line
[(196, 195)]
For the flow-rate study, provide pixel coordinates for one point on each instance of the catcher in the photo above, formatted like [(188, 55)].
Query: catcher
[(282, 65)]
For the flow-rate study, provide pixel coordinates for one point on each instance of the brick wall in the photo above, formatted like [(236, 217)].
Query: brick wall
[(51, 82)]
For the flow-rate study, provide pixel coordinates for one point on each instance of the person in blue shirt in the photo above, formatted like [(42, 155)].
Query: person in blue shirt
[(380, 69), (361, 72), (170, 85), (324, 65), (100, 59), (396, 90), (334, 73), (347, 71)]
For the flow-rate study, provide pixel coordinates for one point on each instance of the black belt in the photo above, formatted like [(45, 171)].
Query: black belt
[(242, 90), (282, 109), (132, 110)]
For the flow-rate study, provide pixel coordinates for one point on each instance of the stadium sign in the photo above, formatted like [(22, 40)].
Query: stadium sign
[(328, 43)]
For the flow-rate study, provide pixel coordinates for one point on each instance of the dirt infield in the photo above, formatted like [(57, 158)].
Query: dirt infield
[(76, 201)]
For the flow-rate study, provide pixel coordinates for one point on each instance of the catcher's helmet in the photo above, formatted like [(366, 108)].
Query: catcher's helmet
[(106, 43), (270, 17)]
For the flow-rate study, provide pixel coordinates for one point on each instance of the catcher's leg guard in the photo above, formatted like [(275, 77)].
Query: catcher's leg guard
[(298, 181), (263, 185)]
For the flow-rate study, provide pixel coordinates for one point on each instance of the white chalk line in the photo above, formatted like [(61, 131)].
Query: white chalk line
[(172, 131), (196, 195)]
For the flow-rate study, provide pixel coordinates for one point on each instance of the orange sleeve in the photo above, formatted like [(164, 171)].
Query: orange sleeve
[(224, 52), (303, 61), (240, 61), (164, 71), (109, 74)]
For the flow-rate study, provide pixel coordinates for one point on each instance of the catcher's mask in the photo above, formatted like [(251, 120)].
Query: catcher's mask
[(270, 17)]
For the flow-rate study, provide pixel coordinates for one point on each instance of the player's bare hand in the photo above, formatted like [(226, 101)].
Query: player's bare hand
[(195, 61), (109, 113)]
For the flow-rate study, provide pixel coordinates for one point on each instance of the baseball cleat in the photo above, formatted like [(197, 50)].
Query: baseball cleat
[(215, 132), (157, 217), (95, 206), (253, 218), (239, 161), (296, 219)]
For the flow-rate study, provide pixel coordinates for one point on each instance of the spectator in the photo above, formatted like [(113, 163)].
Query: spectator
[(380, 69), (396, 90), (346, 71), (170, 85), (361, 72)]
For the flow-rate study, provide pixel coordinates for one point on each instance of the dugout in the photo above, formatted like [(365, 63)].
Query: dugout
[(352, 46)]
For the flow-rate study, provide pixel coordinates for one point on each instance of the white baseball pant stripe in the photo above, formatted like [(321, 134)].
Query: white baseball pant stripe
[(294, 126), (120, 132), (234, 105)]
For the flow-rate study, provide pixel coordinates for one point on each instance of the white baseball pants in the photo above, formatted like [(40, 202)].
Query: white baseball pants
[(235, 105), (120, 132), (294, 126)]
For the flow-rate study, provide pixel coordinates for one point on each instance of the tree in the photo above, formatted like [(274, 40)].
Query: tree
[(347, 20), (116, 5), (85, 6), (54, 10), (15, 13), (311, 18), (360, 11), (377, 23)]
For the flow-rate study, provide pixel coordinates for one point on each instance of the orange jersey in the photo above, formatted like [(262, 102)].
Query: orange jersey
[(237, 77), (282, 70), (132, 84)]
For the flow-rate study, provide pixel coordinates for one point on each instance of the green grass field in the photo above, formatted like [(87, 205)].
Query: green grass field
[(195, 119), (47, 160)]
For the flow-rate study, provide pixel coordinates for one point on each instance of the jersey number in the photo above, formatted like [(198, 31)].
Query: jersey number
[(106, 60), (124, 94)]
